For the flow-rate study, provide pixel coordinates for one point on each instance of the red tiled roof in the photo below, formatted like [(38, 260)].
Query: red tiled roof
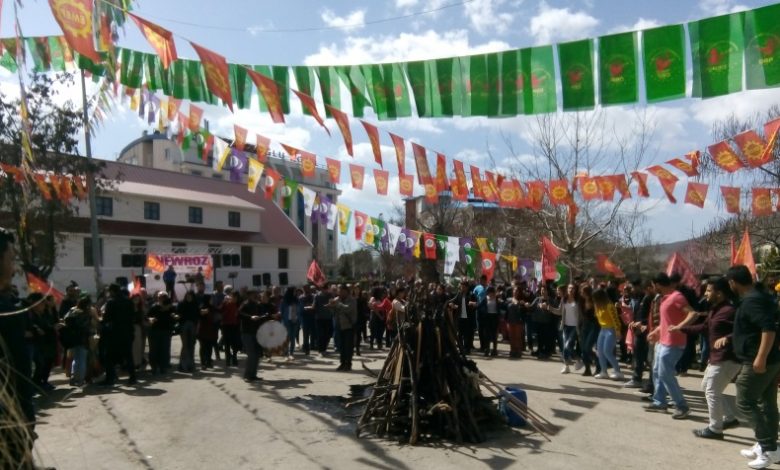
[(276, 227)]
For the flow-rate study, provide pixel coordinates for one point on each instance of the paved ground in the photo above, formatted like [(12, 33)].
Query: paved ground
[(296, 419)]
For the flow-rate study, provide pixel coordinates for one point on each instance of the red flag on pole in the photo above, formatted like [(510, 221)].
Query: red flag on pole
[(36, 284), (677, 264), (733, 251), (605, 265), (550, 254), (744, 254), (315, 275)]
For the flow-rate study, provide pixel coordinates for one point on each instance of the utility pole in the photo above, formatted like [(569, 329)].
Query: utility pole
[(91, 190)]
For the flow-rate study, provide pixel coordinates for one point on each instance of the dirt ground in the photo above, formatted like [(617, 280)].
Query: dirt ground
[(296, 418)]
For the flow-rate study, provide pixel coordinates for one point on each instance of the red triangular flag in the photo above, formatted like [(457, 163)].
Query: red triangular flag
[(605, 265), (215, 68), (310, 106), (400, 153), (343, 122), (421, 162), (160, 39), (269, 90), (36, 284), (373, 137), (744, 254)]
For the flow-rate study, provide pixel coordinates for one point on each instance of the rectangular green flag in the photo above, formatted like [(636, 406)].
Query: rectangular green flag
[(512, 82), (153, 71), (281, 74), (419, 75), (304, 81), (39, 50), (178, 79), (577, 82), (561, 274), (240, 86), (717, 44), (471, 258), (618, 68), (663, 55), (265, 70), (329, 86), (8, 59), (196, 82), (352, 77), (377, 92), (447, 98), (475, 88), (395, 82), (57, 54), (762, 47), (131, 68), (85, 63), (539, 91)]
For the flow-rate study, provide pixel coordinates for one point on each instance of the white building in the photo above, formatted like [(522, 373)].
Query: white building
[(148, 210), (156, 150)]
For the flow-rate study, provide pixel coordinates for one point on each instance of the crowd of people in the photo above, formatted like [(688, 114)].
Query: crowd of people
[(657, 329)]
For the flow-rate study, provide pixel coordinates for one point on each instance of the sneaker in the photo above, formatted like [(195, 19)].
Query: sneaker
[(565, 370), (578, 365), (707, 433), (655, 408), (617, 376), (601, 375), (751, 453), (681, 413), (764, 460), (632, 384)]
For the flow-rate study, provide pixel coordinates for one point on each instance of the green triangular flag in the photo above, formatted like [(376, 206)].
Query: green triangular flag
[(329, 86), (663, 54), (717, 46), (576, 61), (539, 92), (618, 68), (762, 47)]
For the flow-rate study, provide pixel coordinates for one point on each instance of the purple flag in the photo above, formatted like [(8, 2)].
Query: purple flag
[(238, 165), (465, 243), (315, 209), (403, 246), (525, 269)]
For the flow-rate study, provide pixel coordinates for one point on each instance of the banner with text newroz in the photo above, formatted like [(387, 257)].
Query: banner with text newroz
[(182, 263)]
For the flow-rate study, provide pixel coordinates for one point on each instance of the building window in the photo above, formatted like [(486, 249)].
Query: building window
[(284, 258), (104, 206), (88, 261), (216, 255), (246, 257), (178, 247), (196, 215), (137, 247), (234, 219), (151, 210)]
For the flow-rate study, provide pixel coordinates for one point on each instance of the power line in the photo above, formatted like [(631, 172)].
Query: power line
[(255, 30)]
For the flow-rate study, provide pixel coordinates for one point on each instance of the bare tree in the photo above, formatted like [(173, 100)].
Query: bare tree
[(568, 145)]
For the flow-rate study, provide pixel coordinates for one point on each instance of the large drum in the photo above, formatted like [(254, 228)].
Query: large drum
[(272, 336)]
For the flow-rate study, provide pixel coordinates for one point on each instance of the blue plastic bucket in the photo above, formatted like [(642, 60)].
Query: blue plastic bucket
[(513, 418)]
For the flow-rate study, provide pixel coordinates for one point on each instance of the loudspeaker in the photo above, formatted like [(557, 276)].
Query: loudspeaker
[(226, 260), (257, 280), (139, 261), (283, 279), (127, 261), (266, 279), (235, 260)]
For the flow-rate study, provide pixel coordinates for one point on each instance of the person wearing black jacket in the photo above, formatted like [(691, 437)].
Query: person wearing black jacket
[(755, 344), (189, 314), (161, 321), (463, 308), (14, 365), (43, 338), (253, 314), (117, 330), (638, 326)]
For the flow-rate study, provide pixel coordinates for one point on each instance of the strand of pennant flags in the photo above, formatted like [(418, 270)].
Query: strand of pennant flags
[(507, 83), (51, 185)]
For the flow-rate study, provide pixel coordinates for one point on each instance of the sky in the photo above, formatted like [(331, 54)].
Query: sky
[(296, 32)]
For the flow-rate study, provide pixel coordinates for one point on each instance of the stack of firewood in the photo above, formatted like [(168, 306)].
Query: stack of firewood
[(428, 389)]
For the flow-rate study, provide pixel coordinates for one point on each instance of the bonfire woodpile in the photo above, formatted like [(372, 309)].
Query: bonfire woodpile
[(428, 389)]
